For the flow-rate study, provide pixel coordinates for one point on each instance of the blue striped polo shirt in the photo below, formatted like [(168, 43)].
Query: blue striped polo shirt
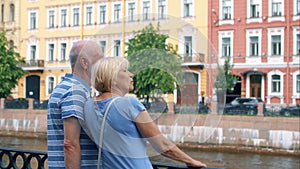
[(67, 100)]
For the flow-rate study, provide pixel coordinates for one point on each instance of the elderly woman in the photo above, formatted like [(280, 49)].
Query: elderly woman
[(127, 126)]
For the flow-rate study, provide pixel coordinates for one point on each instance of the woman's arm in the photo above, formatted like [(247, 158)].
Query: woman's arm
[(161, 144)]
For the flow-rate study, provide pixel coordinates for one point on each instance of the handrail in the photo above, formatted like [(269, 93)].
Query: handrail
[(13, 155), (25, 157)]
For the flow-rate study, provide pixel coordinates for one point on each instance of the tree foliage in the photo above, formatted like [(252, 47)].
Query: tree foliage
[(225, 80), (10, 72), (155, 65)]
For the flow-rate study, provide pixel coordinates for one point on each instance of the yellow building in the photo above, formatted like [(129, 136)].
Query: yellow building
[(49, 29)]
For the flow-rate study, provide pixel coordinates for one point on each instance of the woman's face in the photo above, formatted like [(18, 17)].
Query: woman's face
[(125, 81)]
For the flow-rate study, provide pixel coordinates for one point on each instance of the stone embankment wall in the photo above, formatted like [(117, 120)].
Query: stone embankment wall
[(250, 131), (269, 133)]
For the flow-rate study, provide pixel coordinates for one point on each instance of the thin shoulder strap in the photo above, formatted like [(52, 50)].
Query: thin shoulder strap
[(102, 129)]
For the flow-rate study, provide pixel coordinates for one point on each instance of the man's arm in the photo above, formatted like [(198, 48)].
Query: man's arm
[(72, 143)]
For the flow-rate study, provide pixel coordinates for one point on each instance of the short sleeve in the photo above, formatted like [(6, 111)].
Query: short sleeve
[(73, 103), (129, 107)]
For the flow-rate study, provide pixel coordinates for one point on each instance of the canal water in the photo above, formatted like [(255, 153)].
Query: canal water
[(217, 159)]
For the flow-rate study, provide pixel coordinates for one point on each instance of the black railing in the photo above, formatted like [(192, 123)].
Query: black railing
[(27, 159), (193, 57), (34, 63)]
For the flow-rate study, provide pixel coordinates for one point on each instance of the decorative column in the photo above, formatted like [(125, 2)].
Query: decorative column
[(2, 103), (170, 102), (260, 110), (30, 104)]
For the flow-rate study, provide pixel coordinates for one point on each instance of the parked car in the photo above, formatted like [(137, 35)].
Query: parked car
[(290, 111), (156, 105), (203, 108), (40, 105), (243, 106)]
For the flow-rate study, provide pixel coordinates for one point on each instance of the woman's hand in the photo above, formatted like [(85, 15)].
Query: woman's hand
[(196, 163)]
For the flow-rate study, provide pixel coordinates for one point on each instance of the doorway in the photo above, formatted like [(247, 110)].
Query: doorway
[(33, 87), (187, 95), (255, 86)]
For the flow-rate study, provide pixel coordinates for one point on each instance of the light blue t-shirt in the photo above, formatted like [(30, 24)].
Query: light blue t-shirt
[(123, 144)]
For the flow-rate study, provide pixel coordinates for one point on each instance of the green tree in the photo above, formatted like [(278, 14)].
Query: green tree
[(10, 72), (156, 66), (225, 81)]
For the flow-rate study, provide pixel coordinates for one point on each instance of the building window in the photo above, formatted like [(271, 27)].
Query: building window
[(63, 18), (51, 18), (89, 13), (226, 9), (32, 20), (187, 8), (275, 84), (102, 14), (103, 46), (117, 12), (117, 48), (298, 83), (188, 46), (253, 46), (161, 9), (2, 13), (226, 47), (131, 11), (276, 8), (298, 7), (63, 51), (276, 45), (76, 16), (298, 45), (32, 52), (50, 84), (12, 12), (62, 78), (51, 52), (254, 9), (146, 10), (11, 44)]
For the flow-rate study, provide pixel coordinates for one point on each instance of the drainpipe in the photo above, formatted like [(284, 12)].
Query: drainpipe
[(289, 54), (123, 29), (82, 18)]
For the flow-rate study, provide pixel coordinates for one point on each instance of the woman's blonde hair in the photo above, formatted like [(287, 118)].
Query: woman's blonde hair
[(105, 71)]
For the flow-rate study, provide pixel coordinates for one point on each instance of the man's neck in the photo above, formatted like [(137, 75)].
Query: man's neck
[(83, 77)]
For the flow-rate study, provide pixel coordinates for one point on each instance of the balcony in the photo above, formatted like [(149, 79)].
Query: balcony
[(193, 59), (10, 25), (33, 65), (1, 26)]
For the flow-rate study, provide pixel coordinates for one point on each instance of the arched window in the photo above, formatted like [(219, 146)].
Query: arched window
[(12, 12), (2, 13), (11, 43)]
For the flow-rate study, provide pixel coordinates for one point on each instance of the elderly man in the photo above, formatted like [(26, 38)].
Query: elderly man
[(68, 144)]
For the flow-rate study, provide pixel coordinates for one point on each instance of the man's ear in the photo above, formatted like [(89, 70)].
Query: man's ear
[(84, 63)]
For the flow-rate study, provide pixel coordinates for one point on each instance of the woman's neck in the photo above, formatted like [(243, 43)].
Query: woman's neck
[(109, 94), (104, 96)]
